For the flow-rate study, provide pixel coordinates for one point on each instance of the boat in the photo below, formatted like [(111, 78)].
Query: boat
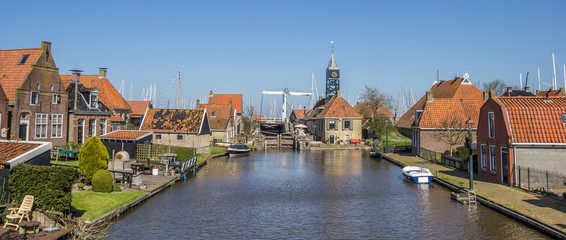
[(238, 150), (417, 174), (375, 154)]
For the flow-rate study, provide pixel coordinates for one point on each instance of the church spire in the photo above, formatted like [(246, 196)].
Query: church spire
[(332, 77), (332, 64)]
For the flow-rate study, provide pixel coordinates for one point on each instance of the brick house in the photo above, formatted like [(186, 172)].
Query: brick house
[(88, 115), (138, 112), (179, 127), (37, 101), (445, 107), (552, 93), (3, 114), (334, 121), (121, 110), (298, 116), (235, 103), (521, 131), (221, 121)]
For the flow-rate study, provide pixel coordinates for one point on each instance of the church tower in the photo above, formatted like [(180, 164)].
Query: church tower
[(332, 78)]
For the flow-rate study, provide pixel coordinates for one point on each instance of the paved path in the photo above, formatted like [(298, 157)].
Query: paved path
[(546, 209)]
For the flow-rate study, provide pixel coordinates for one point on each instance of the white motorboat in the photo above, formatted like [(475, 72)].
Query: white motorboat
[(417, 174)]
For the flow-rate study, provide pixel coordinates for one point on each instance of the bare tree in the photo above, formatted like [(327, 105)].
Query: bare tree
[(452, 131), (372, 100), (498, 86)]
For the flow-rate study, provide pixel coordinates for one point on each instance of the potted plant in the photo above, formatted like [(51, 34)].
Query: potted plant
[(81, 186)]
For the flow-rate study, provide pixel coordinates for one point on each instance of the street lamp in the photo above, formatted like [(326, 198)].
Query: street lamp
[(386, 137), (470, 123)]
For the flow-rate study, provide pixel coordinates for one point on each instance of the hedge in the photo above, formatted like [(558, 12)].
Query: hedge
[(93, 156), (51, 186), (102, 181)]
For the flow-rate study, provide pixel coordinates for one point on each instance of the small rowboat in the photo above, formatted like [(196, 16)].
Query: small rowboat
[(417, 174), (238, 150), (375, 155)]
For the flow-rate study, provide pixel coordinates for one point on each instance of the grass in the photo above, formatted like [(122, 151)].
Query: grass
[(217, 150), (66, 163), (95, 204), (182, 152)]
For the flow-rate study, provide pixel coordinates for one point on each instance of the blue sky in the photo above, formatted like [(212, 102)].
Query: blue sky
[(250, 46)]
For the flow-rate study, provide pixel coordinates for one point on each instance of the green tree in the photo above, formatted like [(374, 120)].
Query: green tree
[(93, 156), (373, 103)]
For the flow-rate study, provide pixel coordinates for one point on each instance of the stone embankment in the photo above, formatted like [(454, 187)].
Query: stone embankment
[(544, 213)]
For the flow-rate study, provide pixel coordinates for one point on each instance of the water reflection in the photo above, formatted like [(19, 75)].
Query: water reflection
[(326, 194)]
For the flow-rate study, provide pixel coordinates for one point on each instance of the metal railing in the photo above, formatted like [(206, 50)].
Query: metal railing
[(540, 180)]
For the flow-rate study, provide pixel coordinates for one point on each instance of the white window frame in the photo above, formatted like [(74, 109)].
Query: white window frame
[(41, 122), (491, 124), (56, 125), (103, 124), (90, 126), (93, 103), (56, 99), (114, 126), (483, 156), (332, 122), (492, 158), (36, 102)]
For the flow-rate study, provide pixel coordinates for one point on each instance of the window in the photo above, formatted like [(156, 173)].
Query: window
[(23, 60), (102, 127), (347, 125), (483, 163), (179, 137), (564, 118), (492, 154), (91, 127), (212, 114), (491, 120), (34, 98), (57, 125), (41, 125), (331, 124), (114, 126), (158, 136), (56, 99), (93, 100)]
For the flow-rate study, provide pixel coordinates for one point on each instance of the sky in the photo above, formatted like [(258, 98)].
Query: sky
[(251, 46)]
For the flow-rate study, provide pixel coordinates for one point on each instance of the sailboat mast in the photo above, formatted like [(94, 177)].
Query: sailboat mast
[(538, 70), (554, 75), (178, 87), (521, 80)]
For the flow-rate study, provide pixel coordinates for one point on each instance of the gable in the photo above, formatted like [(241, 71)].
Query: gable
[(108, 93), (226, 99), (338, 107)]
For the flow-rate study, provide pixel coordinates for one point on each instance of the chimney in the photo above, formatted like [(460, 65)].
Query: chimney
[(198, 102), (485, 96), (210, 93), (338, 93), (491, 94), (45, 45), (562, 89), (527, 89), (509, 89), (102, 73), (320, 97), (76, 75), (429, 97), (538, 91)]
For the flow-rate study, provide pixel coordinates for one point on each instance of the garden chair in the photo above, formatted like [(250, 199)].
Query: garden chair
[(21, 213)]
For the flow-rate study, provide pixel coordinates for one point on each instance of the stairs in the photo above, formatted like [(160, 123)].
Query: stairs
[(472, 198)]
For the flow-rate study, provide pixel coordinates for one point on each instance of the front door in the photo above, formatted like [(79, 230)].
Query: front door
[(504, 166), (23, 131), (80, 129), (331, 139)]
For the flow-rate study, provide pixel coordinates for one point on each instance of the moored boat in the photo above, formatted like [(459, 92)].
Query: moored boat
[(417, 174), (238, 150), (375, 154)]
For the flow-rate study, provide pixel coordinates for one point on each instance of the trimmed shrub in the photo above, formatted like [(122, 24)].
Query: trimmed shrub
[(102, 181), (51, 186), (116, 188), (93, 156)]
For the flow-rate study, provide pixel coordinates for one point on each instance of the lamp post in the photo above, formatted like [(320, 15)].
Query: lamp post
[(470, 123), (386, 137)]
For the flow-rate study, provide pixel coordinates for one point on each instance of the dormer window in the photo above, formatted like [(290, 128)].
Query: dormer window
[(23, 60), (213, 114), (318, 111), (93, 100), (564, 118)]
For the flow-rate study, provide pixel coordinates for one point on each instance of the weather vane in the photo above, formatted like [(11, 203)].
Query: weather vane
[(332, 45)]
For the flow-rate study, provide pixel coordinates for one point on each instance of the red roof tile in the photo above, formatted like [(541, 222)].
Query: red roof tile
[(454, 89), (551, 93), (139, 107), (535, 119), (218, 115), (383, 111), (440, 110), (172, 120), (12, 75), (259, 117), (123, 134), (300, 113), (225, 99), (11, 150), (337, 107), (108, 94)]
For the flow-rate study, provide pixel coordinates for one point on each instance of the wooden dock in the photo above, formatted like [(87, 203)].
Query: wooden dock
[(10, 233)]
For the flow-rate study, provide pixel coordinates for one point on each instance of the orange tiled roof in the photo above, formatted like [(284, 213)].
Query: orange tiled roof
[(536, 120), (218, 115), (439, 110), (108, 94), (11, 150), (259, 117), (551, 93), (382, 110), (138, 107), (453, 89), (172, 120), (12, 75), (123, 134), (337, 107), (300, 113), (225, 99)]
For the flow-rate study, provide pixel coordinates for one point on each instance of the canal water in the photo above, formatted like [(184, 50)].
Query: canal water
[(313, 195)]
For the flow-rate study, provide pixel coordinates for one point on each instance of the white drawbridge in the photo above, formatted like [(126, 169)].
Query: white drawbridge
[(284, 94)]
